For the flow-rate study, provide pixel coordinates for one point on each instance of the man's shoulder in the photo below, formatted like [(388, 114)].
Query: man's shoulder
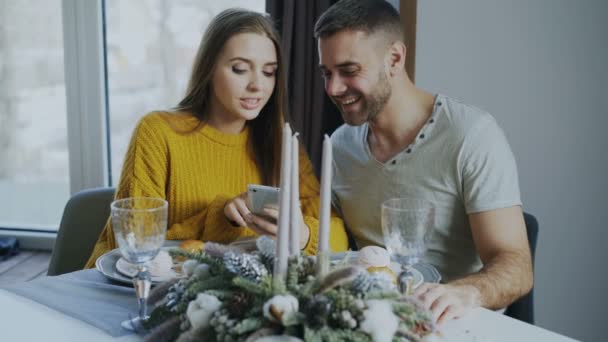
[(345, 136), (464, 118), (348, 144)]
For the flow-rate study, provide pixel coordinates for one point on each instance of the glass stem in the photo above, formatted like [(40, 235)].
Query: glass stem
[(143, 308), (142, 285), (406, 280)]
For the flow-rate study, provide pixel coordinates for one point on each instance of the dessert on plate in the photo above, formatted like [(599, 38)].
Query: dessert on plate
[(192, 246), (376, 259), (161, 266)]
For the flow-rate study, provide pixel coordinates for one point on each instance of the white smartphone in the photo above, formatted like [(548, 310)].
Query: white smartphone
[(262, 196)]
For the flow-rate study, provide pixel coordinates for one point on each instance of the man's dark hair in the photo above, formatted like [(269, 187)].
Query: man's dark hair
[(368, 16)]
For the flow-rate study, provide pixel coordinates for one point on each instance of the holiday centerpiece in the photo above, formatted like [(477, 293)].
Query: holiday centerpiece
[(230, 295), (275, 292)]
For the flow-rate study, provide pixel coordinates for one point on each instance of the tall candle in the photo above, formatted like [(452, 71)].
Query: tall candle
[(282, 246), (294, 211), (325, 207)]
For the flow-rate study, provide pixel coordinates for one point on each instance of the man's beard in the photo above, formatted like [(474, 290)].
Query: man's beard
[(373, 104)]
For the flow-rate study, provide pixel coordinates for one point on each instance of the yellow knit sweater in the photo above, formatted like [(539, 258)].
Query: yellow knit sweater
[(197, 172)]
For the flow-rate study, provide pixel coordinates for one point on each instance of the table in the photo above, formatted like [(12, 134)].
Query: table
[(486, 325), (25, 320)]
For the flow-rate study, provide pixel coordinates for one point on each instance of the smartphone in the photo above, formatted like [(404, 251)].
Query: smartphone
[(262, 196)]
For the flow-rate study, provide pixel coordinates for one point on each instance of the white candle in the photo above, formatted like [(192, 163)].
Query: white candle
[(325, 207), (282, 249), (294, 211)]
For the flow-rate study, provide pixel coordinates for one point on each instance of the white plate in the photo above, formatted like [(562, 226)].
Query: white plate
[(107, 265), (422, 272), (130, 270)]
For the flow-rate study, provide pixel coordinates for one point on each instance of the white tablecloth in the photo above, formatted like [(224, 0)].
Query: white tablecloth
[(22, 319)]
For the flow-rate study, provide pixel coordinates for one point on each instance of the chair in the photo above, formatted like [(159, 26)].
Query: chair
[(523, 308), (83, 219)]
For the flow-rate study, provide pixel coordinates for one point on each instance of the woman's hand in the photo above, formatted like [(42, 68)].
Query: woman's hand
[(239, 215), (304, 230), (236, 210)]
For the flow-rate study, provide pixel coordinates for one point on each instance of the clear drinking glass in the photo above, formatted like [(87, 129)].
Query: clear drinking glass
[(140, 225), (407, 224)]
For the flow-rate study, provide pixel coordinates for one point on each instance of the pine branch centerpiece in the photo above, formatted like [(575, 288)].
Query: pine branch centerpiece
[(278, 294), (229, 295)]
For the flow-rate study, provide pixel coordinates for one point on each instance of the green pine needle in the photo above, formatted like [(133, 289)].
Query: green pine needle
[(248, 325)]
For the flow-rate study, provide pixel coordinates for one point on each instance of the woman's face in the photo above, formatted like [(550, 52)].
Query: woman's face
[(243, 79)]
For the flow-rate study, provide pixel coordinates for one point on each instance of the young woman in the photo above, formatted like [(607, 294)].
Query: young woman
[(225, 134)]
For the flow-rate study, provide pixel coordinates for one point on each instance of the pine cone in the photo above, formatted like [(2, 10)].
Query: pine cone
[(245, 265), (306, 267), (267, 260), (317, 310), (366, 282), (266, 245), (237, 303), (175, 294), (266, 251)]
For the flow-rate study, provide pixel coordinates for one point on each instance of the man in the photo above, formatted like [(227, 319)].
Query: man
[(401, 141)]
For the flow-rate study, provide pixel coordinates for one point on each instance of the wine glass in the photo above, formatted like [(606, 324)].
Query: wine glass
[(406, 227), (140, 225)]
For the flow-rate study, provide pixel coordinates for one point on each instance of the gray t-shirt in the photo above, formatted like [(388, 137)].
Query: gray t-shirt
[(460, 161)]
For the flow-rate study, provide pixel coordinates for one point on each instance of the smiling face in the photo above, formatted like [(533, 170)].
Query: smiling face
[(243, 79), (355, 76)]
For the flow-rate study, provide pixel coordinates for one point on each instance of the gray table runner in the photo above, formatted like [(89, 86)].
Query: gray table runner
[(85, 295)]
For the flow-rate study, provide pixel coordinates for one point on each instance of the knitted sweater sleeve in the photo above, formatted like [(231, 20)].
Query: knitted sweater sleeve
[(209, 225), (309, 201), (144, 173)]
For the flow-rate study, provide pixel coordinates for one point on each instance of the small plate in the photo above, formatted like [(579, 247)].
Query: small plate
[(129, 270), (107, 265), (422, 272)]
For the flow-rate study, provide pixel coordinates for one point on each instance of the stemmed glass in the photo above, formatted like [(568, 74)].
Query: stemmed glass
[(140, 225), (406, 226)]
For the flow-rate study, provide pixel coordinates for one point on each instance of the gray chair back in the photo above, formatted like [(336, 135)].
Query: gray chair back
[(84, 217)]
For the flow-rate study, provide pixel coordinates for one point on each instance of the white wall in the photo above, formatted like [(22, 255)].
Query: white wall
[(540, 67)]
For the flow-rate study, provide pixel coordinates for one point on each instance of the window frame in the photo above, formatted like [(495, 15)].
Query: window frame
[(86, 93), (86, 103)]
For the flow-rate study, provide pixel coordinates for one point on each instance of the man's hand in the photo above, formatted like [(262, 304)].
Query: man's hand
[(502, 245), (447, 301)]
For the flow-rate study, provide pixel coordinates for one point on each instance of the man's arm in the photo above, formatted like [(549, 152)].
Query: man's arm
[(501, 242)]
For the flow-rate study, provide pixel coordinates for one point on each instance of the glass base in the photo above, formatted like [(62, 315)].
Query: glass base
[(405, 280), (134, 324)]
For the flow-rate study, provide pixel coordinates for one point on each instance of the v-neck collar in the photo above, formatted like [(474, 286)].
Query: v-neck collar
[(423, 134)]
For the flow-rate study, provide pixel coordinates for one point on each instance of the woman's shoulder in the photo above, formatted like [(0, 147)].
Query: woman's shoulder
[(168, 118), (179, 122)]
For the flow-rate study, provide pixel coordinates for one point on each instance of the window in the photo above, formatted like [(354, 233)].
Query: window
[(150, 47), (34, 165), (53, 92)]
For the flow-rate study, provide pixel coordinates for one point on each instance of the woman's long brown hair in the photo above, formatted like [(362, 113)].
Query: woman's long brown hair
[(266, 129)]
